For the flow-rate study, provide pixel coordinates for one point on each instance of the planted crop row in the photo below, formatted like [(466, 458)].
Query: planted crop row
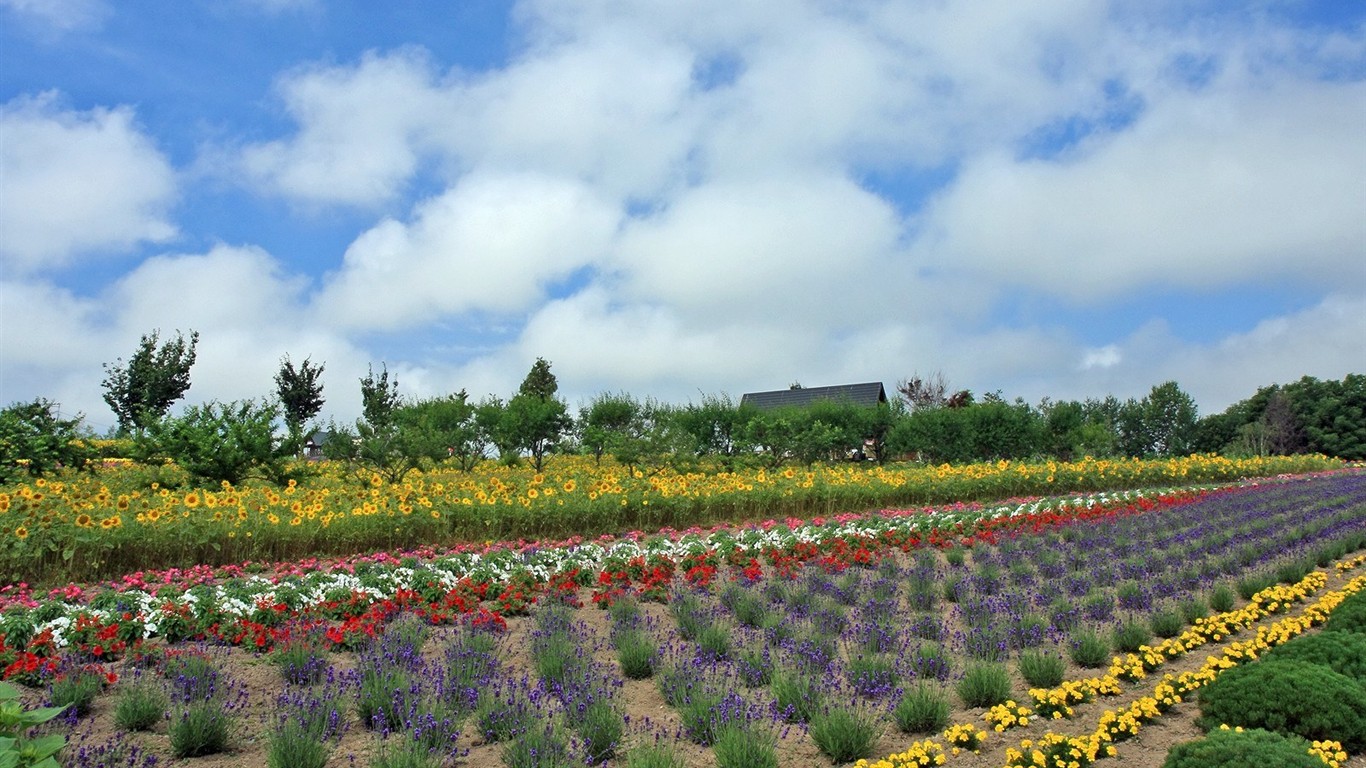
[(124, 518), (753, 655)]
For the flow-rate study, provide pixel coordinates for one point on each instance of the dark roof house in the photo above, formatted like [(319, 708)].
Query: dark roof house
[(870, 394)]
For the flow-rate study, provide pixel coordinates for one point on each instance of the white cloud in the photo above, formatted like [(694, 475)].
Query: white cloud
[(1327, 340), (248, 311), (666, 198), (1235, 183), (599, 344), (803, 247), (1107, 356), (76, 183), (493, 242), (59, 16), (362, 130), (613, 110)]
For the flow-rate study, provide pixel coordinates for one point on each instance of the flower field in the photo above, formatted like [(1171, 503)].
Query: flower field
[(124, 518), (1059, 631)]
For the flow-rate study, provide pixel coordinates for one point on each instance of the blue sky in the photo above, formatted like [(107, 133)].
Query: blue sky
[(675, 199)]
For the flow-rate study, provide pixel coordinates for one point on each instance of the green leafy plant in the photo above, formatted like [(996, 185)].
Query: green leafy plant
[(1289, 697), (600, 726), (1236, 749), (1166, 623), (1130, 636), (739, 746), (1088, 649), (1342, 652), (798, 696), (984, 685), (1041, 669), (636, 654), (16, 748), (653, 756), (216, 442), (922, 709), (1349, 616), (538, 747), (405, 754), (292, 746), (1222, 599), (844, 733), (35, 440), (200, 729), (140, 706), (77, 688), (1253, 583), (1194, 608)]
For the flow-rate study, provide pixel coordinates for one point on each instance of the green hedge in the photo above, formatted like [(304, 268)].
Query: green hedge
[(1289, 697)]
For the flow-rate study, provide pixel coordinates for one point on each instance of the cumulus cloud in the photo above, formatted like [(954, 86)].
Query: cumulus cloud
[(78, 183), (363, 130), (1242, 181), (493, 242), (747, 248), (674, 198), (248, 310)]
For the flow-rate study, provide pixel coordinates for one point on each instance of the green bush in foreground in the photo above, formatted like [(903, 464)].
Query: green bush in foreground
[(1289, 697), (1350, 616), (922, 709), (984, 685), (1238, 749), (1342, 652)]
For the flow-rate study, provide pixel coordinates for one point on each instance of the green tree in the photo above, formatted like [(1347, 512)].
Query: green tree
[(534, 419), (714, 427), (497, 430), (605, 422), (1170, 415), (440, 429), (653, 440), (934, 435), (379, 398), (142, 390), (376, 442), (301, 397), (217, 442), (539, 381), (992, 429), (35, 440), (773, 432), (1333, 414)]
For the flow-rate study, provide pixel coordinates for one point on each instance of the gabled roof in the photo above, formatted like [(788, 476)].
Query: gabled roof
[(869, 395)]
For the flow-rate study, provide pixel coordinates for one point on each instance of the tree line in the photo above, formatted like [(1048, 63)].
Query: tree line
[(926, 422)]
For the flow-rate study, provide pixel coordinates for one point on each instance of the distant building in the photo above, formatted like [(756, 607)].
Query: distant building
[(313, 447), (870, 394), (867, 395)]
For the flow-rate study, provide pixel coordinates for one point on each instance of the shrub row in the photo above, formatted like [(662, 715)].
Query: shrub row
[(1312, 688)]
